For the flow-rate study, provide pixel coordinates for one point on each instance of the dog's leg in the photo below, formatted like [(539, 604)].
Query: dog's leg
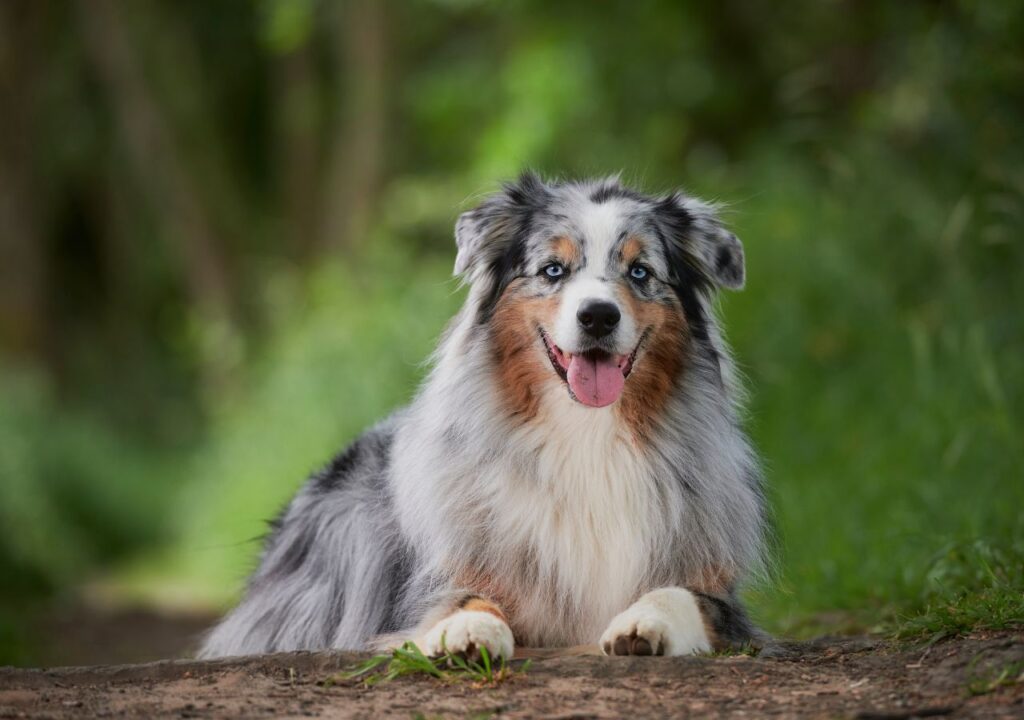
[(475, 623)]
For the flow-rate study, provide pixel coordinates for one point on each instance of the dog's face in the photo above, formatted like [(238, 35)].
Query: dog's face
[(593, 286)]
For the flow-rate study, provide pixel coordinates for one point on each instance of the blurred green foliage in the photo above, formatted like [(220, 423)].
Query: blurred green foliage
[(220, 217)]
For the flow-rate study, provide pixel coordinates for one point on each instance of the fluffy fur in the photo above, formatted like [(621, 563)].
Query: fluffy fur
[(496, 486)]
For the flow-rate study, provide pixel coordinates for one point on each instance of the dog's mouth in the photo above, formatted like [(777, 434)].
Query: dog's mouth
[(594, 377)]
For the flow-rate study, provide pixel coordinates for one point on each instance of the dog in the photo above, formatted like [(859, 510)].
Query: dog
[(572, 471)]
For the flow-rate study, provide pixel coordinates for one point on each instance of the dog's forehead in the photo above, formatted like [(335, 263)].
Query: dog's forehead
[(600, 223), (598, 226), (595, 224)]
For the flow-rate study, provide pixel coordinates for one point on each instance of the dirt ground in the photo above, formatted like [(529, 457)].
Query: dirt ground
[(976, 676)]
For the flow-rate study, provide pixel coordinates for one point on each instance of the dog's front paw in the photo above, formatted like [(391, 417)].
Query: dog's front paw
[(465, 632), (662, 622)]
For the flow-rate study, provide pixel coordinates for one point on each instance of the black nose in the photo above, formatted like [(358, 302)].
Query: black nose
[(598, 317)]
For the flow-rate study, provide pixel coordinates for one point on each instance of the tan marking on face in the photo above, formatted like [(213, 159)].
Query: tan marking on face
[(566, 250), (521, 363), (657, 365), (631, 249)]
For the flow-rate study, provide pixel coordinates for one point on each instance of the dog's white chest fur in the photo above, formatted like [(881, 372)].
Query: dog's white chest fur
[(583, 510)]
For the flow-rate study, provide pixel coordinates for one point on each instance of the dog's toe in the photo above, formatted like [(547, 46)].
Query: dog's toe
[(641, 646), (634, 636)]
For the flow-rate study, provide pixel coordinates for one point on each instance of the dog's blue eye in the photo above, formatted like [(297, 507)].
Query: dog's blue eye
[(554, 270), (638, 272)]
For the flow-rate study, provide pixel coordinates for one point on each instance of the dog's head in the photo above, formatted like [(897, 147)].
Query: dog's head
[(593, 285)]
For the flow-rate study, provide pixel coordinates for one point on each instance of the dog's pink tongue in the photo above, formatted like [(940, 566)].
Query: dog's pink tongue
[(595, 382)]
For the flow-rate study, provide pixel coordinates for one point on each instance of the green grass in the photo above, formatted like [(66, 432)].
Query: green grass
[(886, 380), (747, 649), (450, 667), (977, 586)]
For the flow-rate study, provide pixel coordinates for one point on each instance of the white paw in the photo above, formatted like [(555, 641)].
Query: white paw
[(466, 631), (662, 622)]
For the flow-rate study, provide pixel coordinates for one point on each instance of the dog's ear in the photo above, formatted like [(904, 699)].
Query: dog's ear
[(695, 230), (485, 233), (724, 255)]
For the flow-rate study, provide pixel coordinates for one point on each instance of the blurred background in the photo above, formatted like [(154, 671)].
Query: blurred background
[(217, 220)]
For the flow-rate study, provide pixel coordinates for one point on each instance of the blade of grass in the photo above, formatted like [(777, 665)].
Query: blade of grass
[(486, 657)]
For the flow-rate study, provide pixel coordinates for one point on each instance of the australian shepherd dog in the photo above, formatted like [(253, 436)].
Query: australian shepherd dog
[(572, 471)]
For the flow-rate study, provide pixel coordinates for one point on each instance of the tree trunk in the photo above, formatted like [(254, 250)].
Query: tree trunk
[(297, 113), (23, 269), (162, 176), (355, 166)]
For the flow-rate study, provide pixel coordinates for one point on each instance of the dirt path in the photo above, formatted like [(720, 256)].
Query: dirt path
[(978, 676)]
